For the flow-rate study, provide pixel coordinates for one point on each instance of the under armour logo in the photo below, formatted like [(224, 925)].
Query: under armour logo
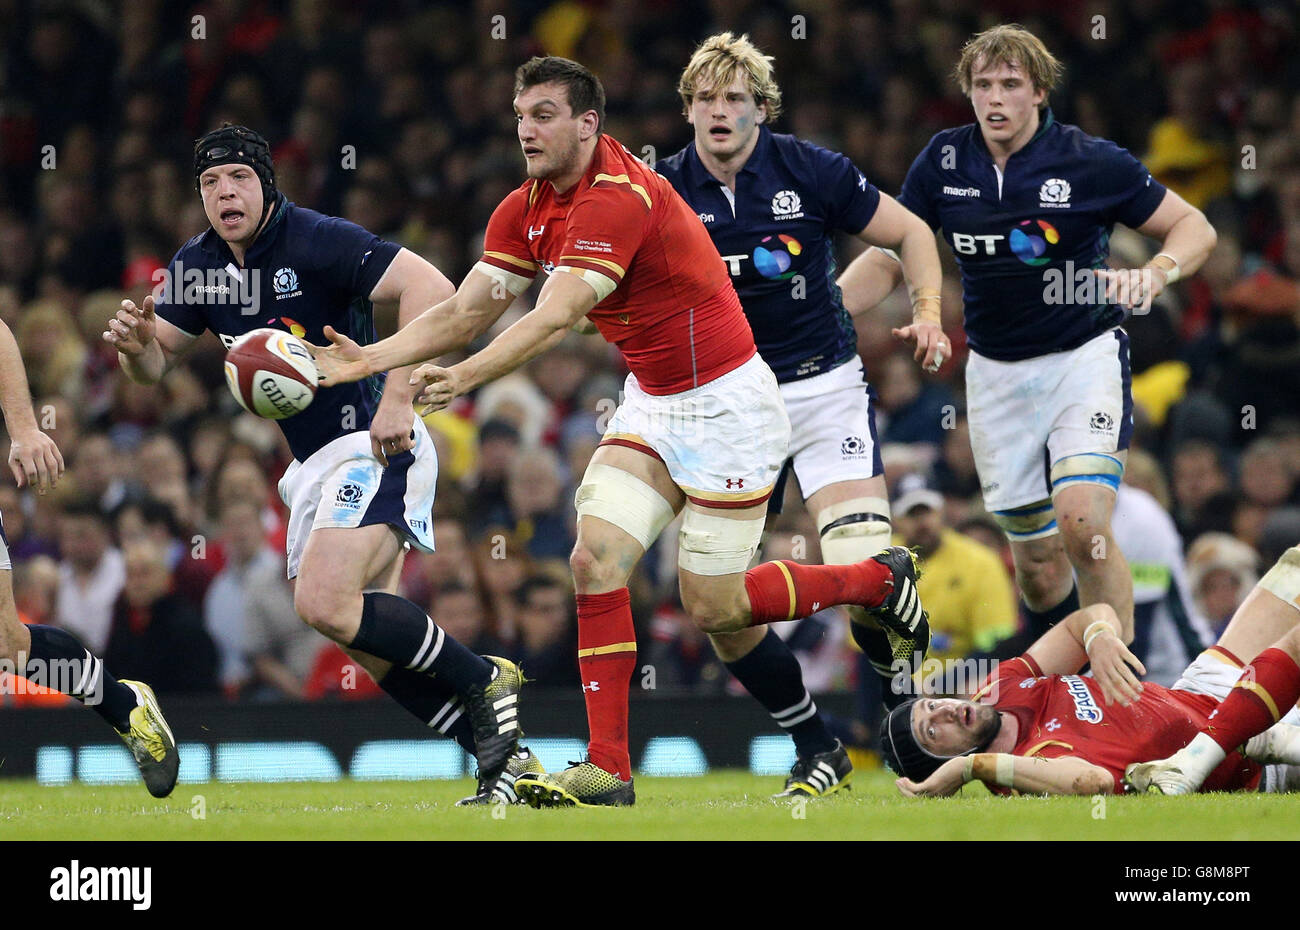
[(534, 233), (1053, 725), (816, 606), (591, 686), (735, 482)]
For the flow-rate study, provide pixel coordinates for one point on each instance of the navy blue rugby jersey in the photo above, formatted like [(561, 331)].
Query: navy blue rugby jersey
[(304, 271), (1026, 241), (790, 198)]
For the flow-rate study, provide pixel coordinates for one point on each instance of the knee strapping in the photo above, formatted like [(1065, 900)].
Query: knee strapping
[(854, 530), (624, 500), (1034, 521), (1087, 468), (711, 545), (1283, 579)]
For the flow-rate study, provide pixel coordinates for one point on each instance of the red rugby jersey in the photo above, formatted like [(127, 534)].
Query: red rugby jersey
[(1064, 715), (673, 313)]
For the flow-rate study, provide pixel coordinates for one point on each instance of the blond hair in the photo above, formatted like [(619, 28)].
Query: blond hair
[(1008, 44), (719, 60)]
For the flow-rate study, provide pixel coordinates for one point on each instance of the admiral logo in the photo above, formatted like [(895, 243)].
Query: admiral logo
[(103, 883), (1085, 708), (786, 205), (961, 191)]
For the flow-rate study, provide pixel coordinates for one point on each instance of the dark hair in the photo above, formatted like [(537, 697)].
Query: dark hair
[(581, 86)]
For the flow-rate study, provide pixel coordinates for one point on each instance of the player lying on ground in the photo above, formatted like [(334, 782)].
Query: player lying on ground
[(53, 657), (1027, 205), (703, 427), (1247, 720), (1038, 727), (360, 488), (772, 204)]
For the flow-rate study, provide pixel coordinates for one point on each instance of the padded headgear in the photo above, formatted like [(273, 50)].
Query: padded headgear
[(904, 754), (237, 145)]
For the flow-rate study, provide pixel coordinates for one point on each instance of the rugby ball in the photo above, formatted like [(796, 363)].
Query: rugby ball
[(271, 373)]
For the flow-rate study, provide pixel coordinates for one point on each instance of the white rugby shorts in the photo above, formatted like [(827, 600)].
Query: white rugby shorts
[(342, 484), (832, 429), (723, 442), (1026, 416)]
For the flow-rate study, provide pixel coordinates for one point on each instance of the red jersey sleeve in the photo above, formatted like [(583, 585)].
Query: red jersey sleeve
[(606, 227), (1008, 671), (505, 244)]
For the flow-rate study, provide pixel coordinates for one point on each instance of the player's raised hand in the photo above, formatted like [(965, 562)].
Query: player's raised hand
[(946, 780), (35, 460), (1113, 666), (438, 387), (932, 348), (341, 361), (133, 328), (1131, 288)]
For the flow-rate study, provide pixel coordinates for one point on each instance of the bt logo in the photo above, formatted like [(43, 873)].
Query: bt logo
[(772, 257), (1029, 241)]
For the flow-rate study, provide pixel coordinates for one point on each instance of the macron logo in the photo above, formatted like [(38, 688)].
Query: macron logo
[(104, 883), (961, 191)]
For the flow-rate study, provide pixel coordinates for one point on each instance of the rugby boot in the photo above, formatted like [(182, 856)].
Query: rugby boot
[(494, 716), (151, 742), (522, 762), (582, 784), (819, 775)]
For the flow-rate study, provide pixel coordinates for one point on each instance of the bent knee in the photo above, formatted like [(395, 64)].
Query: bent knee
[(593, 573), (321, 609)]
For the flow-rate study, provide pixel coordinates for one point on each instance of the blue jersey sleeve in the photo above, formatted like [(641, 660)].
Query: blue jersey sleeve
[(1135, 193), (350, 257), (849, 198), (916, 194), (171, 303)]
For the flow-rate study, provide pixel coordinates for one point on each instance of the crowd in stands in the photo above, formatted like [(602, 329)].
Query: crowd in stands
[(166, 536)]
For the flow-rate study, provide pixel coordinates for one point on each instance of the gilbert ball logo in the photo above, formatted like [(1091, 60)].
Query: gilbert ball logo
[(103, 883)]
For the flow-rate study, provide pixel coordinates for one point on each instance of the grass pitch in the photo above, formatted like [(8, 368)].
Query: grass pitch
[(721, 805)]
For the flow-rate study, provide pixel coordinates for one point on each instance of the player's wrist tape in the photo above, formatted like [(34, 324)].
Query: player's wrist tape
[(968, 770), (1171, 274), (998, 767), (926, 304), (1095, 629)]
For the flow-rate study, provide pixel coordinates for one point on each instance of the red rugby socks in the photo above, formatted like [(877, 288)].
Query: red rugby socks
[(1267, 689), (787, 590), (606, 660)]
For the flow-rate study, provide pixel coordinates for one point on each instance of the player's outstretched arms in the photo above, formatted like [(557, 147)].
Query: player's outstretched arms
[(34, 459), (1028, 775), (452, 324), (147, 347), (565, 299)]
